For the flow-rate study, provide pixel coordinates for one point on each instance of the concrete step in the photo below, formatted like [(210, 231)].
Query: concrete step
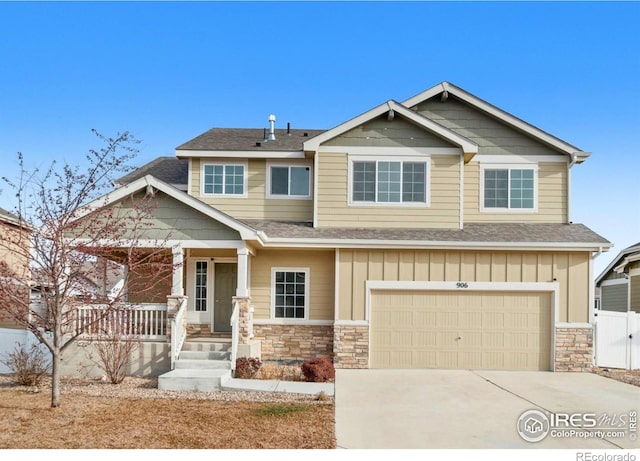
[(202, 364), (207, 345), (194, 380), (204, 355)]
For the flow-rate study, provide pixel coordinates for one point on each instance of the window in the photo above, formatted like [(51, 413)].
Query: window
[(290, 181), (378, 181), (219, 179), (201, 286), (290, 293), (509, 188)]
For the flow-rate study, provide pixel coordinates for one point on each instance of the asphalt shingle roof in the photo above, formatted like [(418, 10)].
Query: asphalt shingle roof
[(168, 169), (473, 232), (245, 139), (7, 216)]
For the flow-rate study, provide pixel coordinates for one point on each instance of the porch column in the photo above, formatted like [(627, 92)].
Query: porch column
[(177, 287), (242, 289)]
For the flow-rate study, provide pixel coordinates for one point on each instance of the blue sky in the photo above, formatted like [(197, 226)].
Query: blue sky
[(169, 71)]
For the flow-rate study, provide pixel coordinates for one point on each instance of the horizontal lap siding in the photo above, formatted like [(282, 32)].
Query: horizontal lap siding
[(255, 205), (570, 270), (321, 266), (334, 211), (552, 196), (615, 297)]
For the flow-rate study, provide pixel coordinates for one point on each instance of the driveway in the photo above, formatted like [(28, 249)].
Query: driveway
[(476, 409)]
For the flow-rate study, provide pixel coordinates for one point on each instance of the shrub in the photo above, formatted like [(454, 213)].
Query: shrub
[(28, 365), (318, 370), (247, 367)]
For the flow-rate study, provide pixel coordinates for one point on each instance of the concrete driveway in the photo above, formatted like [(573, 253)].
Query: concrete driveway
[(476, 409)]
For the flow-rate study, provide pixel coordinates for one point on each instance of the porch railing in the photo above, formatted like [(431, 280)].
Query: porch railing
[(145, 321), (178, 332), (235, 325)]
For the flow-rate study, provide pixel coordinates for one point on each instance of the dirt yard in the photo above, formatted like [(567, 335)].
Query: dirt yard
[(138, 416)]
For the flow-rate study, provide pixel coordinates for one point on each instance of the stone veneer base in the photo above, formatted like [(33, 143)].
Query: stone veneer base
[(294, 342), (574, 349)]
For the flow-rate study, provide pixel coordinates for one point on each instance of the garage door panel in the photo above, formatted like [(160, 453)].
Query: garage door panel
[(472, 330)]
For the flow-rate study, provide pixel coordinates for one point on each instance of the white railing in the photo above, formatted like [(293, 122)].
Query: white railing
[(145, 321), (178, 332), (235, 325)]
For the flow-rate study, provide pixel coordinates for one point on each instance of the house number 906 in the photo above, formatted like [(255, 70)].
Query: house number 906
[(462, 285)]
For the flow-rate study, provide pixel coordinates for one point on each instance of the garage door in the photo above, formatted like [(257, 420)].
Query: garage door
[(488, 330)]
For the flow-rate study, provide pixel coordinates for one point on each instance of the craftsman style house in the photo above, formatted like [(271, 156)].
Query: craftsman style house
[(432, 233)]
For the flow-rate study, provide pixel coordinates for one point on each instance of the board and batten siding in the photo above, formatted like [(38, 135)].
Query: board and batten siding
[(321, 265), (334, 209), (255, 205), (569, 269), (551, 196)]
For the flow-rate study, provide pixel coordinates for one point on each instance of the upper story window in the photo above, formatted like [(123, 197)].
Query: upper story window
[(223, 179), (389, 182), (509, 188), (289, 181)]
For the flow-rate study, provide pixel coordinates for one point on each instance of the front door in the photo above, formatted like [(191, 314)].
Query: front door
[(224, 288)]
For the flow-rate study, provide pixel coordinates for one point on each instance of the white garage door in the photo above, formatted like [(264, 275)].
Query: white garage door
[(460, 329)]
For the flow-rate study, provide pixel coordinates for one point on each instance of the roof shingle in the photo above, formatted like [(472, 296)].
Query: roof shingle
[(246, 139)]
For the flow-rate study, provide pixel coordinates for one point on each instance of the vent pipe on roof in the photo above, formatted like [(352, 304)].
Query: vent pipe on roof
[(288, 129), (272, 128)]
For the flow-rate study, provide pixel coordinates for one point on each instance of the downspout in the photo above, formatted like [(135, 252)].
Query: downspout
[(574, 159)]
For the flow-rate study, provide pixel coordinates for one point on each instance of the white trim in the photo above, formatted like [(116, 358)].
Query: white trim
[(551, 287), (245, 184), (272, 285), (190, 177), (607, 283), (238, 154), (246, 233), (336, 285), (573, 325), (143, 243), (500, 115), (352, 323), (568, 195), (279, 163), (592, 292), (316, 162), (467, 145), (509, 167), (291, 322), (242, 273), (634, 272), (518, 159), (615, 261), (352, 158), (461, 198), (390, 151)]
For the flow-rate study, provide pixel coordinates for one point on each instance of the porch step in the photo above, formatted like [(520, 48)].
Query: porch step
[(194, 364), (200, 380), (198, 356), (207, 345)]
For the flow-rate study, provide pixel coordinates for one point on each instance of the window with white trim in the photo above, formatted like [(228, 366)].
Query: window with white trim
[(290, 288), (509, 188), (383, 181), (223, 179), (290, 181)]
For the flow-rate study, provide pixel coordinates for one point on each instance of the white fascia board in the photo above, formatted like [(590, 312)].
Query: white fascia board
[(147, 243), (521, 159), (246, 233), (465, 144), (500, 115), (427, 245), (238, 154), (390, 151), (608, 283)]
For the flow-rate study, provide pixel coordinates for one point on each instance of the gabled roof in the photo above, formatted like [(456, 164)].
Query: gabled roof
[(446, 89), (246, 233), (629, 254), (468, 147), (171, 170), (245, 140)]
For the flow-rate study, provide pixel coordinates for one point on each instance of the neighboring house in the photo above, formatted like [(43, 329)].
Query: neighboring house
[(432, 233), (617, 321)]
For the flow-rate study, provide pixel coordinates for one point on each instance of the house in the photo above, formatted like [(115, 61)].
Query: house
[(430, 233), (617, 321)]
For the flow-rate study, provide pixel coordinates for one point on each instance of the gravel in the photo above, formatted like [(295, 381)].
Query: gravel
[(147, 388), (626, 376)]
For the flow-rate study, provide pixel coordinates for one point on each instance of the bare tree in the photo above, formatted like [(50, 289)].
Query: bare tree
[(70, 228)]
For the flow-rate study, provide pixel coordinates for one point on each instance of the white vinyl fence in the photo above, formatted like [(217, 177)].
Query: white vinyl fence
[(617, 340), (10, 338)]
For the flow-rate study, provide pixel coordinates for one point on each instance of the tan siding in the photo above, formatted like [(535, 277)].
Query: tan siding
[(570, 270), (255, 205), (552, 196), (614, 297), (321, 280), (334, 211), (635, 293)]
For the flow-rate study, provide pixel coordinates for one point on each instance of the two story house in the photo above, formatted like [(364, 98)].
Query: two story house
[(430, 233)]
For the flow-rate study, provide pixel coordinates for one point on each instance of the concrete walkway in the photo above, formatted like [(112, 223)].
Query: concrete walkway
[(295, 387), (470, 409)]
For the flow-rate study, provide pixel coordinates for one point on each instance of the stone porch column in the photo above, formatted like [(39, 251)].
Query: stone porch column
[(245, 321)]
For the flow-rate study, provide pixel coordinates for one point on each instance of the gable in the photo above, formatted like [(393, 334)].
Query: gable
[(492, 136), (382, 132)]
